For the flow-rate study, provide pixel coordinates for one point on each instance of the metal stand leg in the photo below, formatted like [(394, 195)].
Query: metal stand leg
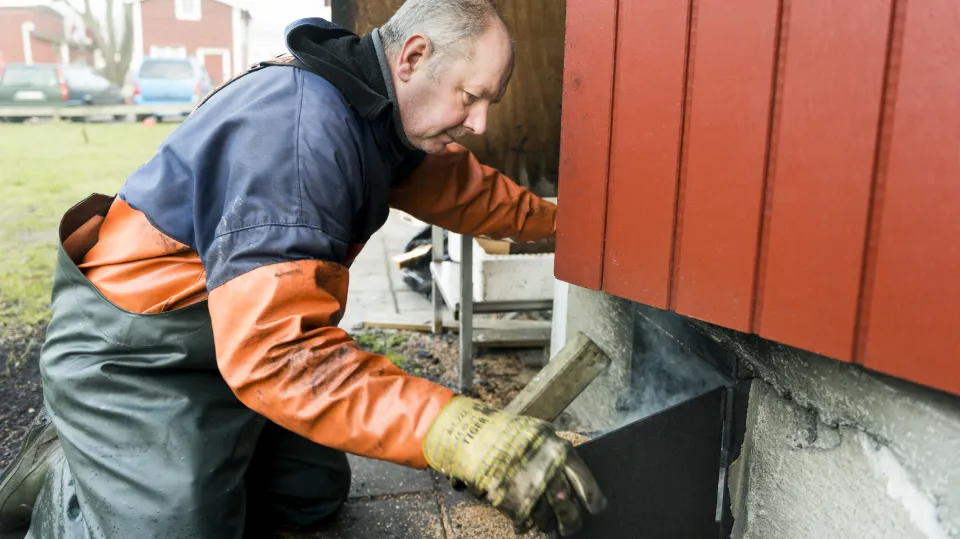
[(436, 238), (466, 314)]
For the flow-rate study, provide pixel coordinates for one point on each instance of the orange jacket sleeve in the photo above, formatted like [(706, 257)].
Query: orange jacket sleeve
[(453, 190), (279, 349)]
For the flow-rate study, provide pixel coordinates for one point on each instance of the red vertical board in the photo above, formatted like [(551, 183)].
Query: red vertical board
[(822, 173), (585, 140), (648, 98), (914, 305), (725, 159)]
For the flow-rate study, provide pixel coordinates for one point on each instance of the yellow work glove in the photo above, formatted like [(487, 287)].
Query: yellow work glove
[(518, 463)]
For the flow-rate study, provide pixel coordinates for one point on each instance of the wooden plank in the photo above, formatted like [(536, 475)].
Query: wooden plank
[(410, 323), (585, 140), (403, 260), (648, 99), (512, 337), (725, 159), (914, 304), (561, 380), (487, 333), (821, 173)]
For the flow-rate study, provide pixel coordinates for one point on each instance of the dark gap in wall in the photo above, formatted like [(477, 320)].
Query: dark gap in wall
[(671, 363)]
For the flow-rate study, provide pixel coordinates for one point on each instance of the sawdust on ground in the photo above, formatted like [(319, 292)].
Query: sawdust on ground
[(575, 438), (472, 521)]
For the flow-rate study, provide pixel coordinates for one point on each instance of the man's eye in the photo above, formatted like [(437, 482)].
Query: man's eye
[(471, 99)]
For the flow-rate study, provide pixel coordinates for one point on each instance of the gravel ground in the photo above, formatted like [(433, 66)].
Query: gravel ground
[(498, 374), (22, 393)]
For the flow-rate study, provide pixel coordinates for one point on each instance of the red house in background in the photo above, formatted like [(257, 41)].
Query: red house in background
[(215, 31), (37, 32)]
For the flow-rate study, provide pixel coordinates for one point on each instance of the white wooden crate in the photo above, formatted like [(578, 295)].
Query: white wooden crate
[(505, 277)]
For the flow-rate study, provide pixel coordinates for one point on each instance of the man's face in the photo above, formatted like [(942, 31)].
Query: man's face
[(444, 102)]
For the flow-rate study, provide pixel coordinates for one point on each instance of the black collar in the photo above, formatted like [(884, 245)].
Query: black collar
[(356, 66)]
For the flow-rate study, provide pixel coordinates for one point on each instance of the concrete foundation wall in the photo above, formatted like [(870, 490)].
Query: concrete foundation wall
[(829, 449), (608, 321), (798, 477), (833, 450)]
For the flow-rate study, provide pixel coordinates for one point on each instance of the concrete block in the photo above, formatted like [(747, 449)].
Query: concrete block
[(373, 478)]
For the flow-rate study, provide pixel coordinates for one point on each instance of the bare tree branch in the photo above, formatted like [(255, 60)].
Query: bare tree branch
[(112, 28), (72, 7), (126, 46), (117, 53)]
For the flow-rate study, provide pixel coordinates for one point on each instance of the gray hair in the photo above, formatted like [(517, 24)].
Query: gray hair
[(450, 25)]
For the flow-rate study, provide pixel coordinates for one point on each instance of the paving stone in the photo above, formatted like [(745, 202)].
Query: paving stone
[(408, 300), (409, 518), (366, 267), (373, 478), (370, 303), (374, 282), (397, 279)]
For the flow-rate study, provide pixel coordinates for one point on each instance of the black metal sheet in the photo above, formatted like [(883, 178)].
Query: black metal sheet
[(659, 474)]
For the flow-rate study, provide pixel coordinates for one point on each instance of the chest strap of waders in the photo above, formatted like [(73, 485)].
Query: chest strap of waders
[(283, 60)]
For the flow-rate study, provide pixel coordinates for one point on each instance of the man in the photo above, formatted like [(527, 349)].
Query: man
[(194, 375)]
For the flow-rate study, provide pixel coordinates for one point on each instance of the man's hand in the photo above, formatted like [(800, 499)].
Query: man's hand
[(522, 467)]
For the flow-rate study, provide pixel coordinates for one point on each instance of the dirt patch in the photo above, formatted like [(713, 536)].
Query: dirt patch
[(498, 374), (21, 389)]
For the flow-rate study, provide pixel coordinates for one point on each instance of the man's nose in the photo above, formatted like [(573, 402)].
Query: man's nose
[(476, 121)]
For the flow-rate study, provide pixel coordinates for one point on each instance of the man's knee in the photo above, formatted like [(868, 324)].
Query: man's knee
[(323, 489), (307, 498)]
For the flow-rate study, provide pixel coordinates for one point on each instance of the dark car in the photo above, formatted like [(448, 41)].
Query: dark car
[(52, 85)]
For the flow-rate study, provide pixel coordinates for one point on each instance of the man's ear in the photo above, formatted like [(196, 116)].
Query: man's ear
[(416, 49)]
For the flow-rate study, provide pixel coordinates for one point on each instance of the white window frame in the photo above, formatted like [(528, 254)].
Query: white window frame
[(181, 12), (160, 51)]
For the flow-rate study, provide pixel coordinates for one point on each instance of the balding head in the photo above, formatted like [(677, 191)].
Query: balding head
[(451, 26), (450, 60)]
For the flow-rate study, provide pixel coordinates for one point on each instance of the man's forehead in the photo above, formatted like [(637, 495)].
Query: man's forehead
[(487, 68)]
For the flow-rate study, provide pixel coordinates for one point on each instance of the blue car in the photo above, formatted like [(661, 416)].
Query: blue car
[(170, 81)]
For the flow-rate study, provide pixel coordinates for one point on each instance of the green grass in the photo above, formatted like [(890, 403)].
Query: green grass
[(384, 344), (44, 170)]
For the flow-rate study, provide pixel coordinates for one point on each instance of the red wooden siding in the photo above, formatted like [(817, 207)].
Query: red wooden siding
[(162, 28), (45, 21), (585, 138), (784, 167), (915, 306), (647, 106), (725, 159), (822, 175)]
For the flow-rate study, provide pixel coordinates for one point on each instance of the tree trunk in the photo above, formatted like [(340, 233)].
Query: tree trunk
[(117, 54)]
